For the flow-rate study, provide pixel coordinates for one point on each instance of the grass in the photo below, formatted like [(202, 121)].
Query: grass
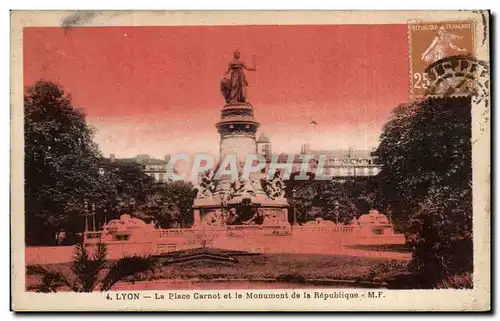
[(383, 248), (279, 267), (272, 266)]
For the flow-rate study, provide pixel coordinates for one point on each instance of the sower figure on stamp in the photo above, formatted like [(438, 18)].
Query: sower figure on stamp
[(234, 88), (441, 45)]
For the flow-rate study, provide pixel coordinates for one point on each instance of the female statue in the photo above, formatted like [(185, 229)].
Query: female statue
[(233, 88)]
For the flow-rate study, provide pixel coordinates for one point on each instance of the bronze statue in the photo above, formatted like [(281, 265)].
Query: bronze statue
[(233, 88)]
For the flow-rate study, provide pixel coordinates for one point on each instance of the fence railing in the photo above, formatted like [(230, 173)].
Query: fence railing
[(92, 235), (333, 229), (231, 231)]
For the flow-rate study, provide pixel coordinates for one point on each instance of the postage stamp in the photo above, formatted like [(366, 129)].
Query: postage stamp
[(432, 41), (248, 161)]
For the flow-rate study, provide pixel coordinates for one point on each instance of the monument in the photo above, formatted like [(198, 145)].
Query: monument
[(225, 201)]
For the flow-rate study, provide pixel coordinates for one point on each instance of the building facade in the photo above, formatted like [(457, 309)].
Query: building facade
[(339, 164), (264, 146), (153, 167)]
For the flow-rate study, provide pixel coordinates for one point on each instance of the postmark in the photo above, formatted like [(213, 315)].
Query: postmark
[(430, 42), (459, 76)]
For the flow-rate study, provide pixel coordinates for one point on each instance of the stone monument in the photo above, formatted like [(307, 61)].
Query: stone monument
[(224, 201)]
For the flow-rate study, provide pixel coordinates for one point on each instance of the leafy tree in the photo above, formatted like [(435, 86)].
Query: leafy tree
[(61, 163), (67, 178), (300, 196), (425, 144), (170, 205), (181, 194), (91, 271), (425, 152), (124, 188), (325, 199), (441, 235)]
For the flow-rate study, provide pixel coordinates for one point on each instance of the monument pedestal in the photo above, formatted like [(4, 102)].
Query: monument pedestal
[(237, 129), (241, 210), (239, 202)]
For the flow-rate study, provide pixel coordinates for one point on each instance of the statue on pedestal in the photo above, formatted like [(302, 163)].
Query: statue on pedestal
[(275, 188), (237, 186), (242, 186), (257, 218), (256, 184), (233, 85), (206, 186), (232, 217)]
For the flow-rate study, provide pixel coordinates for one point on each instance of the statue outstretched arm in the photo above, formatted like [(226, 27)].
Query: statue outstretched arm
[(254, 65), (249, 69)]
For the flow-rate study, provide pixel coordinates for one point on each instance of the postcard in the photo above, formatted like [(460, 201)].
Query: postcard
[(250, 160)]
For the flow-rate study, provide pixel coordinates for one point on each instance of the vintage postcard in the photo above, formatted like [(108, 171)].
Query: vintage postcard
[(250, 161)]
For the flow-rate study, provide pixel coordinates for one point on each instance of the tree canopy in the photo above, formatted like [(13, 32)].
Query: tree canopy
[(66, 177), (169, 205), (61, 161), (425, 153), (348, 198)]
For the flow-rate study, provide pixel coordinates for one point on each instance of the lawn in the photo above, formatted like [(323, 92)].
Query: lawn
[(272, 266), (257, 267), (397, 248)]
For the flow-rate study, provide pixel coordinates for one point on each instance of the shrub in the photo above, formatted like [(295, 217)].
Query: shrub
[(442, 236), (458, 281), (294, 278), (388, 270)]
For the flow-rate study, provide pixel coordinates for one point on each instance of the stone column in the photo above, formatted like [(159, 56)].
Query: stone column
[(237, 129)]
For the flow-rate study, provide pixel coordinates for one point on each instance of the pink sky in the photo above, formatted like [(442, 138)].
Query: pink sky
[(155, 90)]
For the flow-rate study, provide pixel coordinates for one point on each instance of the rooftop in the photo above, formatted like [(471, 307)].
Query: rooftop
[(341, 153), (140, 159)]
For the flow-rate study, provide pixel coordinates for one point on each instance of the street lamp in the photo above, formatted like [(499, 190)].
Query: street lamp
[(294, 193), (337, 214), (86, 208), (93, 216), (105, 214)]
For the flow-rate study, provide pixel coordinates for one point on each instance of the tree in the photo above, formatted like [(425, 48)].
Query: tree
[(425, 144), (91, 270), (425, 153), (124, 188), (441, 235), (348, 199), (61, 163), (170, 205)]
